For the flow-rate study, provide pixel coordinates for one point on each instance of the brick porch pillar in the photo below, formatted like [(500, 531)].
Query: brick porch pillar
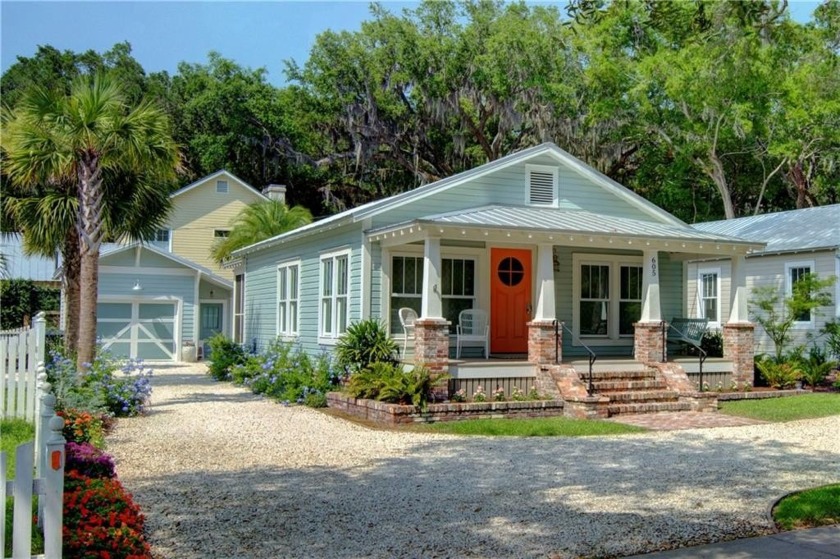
[(648, 342), (431, 349), (541, 343), (739, 347)]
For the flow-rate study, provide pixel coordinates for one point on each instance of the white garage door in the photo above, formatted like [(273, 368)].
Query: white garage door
[(138, 329)]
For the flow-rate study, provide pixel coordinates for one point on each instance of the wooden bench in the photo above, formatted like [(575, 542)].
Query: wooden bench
[(688, 331)]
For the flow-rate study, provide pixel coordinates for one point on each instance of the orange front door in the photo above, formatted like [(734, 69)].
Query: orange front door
[(510, 299)]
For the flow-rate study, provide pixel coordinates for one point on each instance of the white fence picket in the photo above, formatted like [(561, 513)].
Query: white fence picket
[(49, 486), (21, 352)]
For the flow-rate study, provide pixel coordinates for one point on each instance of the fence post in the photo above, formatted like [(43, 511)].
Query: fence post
[(40, 336), (42, 428), (22, 531), (54, 488)]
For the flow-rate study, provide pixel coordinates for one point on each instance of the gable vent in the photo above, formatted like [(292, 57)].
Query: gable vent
[(541, 188)]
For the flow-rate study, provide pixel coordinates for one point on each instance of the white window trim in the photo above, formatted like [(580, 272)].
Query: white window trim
[(479, 255), (699, 289), (331, 339), (555, 173), (283, 268), (812, 264), (615, 261)]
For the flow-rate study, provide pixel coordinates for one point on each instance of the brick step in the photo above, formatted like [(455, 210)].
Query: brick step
[(605, 386), (648, 407), (644, 396), (618, 375)]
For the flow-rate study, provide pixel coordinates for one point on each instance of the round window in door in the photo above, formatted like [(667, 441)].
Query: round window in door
[(511, 271)]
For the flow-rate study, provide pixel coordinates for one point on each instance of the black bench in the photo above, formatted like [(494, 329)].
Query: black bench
[(687, 331)]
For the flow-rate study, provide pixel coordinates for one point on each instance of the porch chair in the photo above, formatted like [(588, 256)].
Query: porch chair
[(472, 327), (407, 318)]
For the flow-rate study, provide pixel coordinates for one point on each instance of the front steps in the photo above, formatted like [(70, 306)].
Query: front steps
[(634, 391)]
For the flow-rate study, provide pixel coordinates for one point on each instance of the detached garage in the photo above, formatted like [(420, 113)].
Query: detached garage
[(152, 302)]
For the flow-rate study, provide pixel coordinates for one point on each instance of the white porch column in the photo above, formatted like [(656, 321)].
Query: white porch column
[(546, 309), (651, 308), (738, 291), (431, 306)]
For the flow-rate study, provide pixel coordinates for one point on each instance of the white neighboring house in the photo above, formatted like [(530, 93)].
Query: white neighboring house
[(798, 242)]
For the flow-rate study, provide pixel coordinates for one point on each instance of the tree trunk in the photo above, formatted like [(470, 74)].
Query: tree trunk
[(90, 229), (801, 183), (718, 176), (72, 263)]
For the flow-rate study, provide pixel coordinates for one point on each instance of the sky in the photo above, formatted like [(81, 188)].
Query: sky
[(162, 34)]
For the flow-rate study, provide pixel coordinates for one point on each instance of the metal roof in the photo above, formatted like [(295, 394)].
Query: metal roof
[(568, 221), (794, 230)]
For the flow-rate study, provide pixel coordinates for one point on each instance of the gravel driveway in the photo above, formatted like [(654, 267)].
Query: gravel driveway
[(220, 472)]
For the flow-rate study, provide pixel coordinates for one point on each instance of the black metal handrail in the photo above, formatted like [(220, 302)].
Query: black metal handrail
[(558, 327), (683, 338)]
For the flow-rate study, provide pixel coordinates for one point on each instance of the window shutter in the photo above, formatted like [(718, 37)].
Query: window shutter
[(541, 188)]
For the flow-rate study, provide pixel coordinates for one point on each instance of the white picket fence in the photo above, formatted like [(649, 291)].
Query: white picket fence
[(46, 458), (21, 360)]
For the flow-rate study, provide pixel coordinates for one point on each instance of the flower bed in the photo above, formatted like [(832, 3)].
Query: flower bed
[(396, 414)]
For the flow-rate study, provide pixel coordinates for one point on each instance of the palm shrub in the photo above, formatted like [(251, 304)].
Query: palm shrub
[(224, 354), (369, 382), (779, 375), (390, 382), (831, 331), (815, 367), (363, 343)]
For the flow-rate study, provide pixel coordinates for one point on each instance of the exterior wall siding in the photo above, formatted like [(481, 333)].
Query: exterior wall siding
[(261, 286), (765, 271), (198, 213), (508, 187)]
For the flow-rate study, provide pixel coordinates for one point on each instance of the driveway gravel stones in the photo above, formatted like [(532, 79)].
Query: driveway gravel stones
[(222, 473)]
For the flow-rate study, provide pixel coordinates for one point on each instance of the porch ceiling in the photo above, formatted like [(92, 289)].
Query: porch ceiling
[(521, 224)]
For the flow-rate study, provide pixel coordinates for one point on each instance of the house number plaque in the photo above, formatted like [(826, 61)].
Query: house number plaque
[(653, 266)]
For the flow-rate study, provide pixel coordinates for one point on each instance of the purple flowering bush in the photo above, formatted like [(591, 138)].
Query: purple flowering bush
[(287, 374), (89, 461), (107, 385)]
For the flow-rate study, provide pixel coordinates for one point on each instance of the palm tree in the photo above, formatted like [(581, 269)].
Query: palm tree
[(135, 207), (52, 137), (258, 222)]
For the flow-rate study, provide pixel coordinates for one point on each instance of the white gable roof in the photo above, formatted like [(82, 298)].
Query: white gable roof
[(217, 174), (377, 207)]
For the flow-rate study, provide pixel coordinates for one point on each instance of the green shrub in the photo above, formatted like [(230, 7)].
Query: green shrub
[(224, 354), (365, 342), (388, 382), (779, 375), (831, 331), (287, 374), (712, 343)]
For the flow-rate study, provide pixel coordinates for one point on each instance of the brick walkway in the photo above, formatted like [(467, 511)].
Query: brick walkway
[(673, 421)]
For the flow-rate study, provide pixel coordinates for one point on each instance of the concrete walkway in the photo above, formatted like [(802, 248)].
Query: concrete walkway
[(817, 543)]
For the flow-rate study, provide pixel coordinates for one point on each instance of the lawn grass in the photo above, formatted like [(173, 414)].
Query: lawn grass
[(538, 427), (14, 432), (789, 408), (815, 507)]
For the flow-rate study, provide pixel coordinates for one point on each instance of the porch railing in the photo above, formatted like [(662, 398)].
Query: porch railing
[(701, 353), (558, 334)]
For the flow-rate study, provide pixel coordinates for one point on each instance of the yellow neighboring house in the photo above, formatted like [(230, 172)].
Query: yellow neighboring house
[(202, 213)]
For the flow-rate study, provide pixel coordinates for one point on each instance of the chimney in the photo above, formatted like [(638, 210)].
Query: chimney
[(275, 192)]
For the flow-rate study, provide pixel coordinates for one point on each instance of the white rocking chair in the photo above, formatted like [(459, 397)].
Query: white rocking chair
[(472, 327), (407, 318)]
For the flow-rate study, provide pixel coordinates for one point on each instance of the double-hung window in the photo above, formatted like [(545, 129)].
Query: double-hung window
[(794, 273), (708, 295), (608, 297), (335, 281), (406, 287), (458, 290), (458, 286), (288, 282)]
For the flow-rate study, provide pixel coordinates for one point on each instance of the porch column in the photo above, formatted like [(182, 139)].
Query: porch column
[(431, 330), (649, 342), (431, 306), (541, 339), (739, 332)]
